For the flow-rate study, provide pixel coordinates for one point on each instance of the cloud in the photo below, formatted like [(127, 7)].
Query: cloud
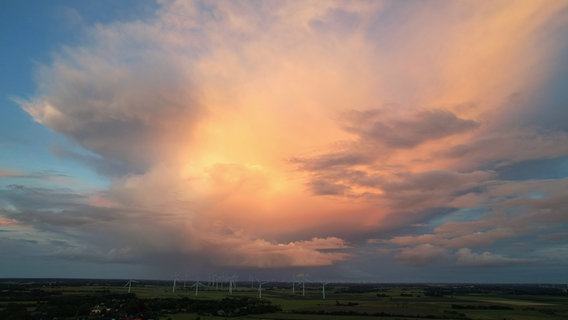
[(104, 166), (341, 160), (278, 134), (394, 130), (465, 257), (54, 176), (551, 255), (533, 169), (10, 174), (91, 233), (323, 187), (432, 189), (499, 148), (457, 238), (6, 222), (422, 254), (82, 253), (246, 252), (119, 96), (514, 212)]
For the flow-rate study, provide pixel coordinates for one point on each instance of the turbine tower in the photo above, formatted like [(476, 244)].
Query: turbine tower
[(232, 283), (294, 281), (216, 279), (293, 286), (196, 285), (209, 280), (323, 289), (303, 275), (260, 283), (129, 284), (174, 285)]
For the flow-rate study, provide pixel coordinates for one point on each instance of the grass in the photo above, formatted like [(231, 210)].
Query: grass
[(403, 303)]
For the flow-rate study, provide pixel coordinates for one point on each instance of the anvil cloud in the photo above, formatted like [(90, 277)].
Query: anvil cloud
[(274, 135)]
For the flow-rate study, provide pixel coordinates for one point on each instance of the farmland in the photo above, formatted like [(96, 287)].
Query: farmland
[(109, 299)]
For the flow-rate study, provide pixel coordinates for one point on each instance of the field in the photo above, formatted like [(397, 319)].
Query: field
[(109, 299)]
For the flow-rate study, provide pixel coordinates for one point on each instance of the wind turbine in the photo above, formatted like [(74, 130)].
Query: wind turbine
[(174, 285), (293, 286), (232, 283), (303, 284), (223, 278), (196, 285), (260, 283), (294, 281), (129, 284), (216, 281), (323, 289)]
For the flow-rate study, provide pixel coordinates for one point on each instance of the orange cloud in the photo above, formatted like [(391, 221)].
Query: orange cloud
[(7, 222), (289, 121)]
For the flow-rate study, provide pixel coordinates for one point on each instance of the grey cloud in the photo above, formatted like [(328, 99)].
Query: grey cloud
[(28, 198), (465, 257), (526, 213), (534, 202), (428, 254), (39, 175), (336, 21), (416, 211), (104, 166), (378, 126), (546, 107), (422, 254), (380, 132), (322, 187), (121, 95), (557, 254), (83, 232), (499, 148), (535, 169), (332, 161), (355, 177), (431, 190), (97, 255), (438, 180), (554, 237), (403, 187), (80, 216)]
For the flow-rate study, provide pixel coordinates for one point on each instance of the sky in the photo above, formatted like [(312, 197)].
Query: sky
[(385, 141)]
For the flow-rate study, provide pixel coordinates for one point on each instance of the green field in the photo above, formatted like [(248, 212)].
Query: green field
[(32, 300)]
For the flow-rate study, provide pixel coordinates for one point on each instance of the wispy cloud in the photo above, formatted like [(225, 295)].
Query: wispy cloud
[(468, 258), (396, 130)]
